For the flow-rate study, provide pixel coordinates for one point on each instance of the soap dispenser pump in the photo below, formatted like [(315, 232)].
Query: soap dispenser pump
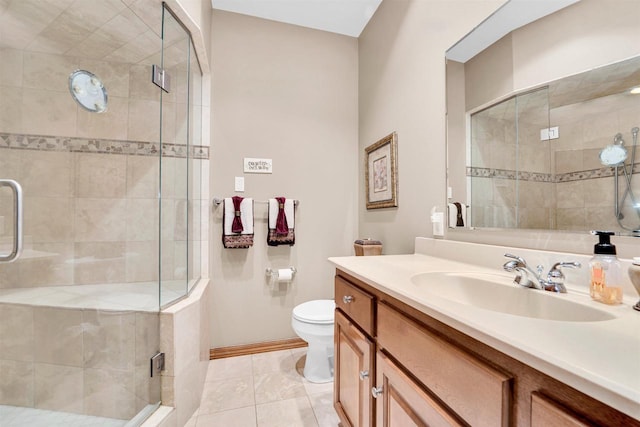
[(605, 271)]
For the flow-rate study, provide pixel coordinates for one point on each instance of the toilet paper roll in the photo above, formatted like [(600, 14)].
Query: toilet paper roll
[(285, 274)]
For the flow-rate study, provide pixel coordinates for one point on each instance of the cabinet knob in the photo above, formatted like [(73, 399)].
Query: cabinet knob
[(364, 375), (376, 391), (347, 299)]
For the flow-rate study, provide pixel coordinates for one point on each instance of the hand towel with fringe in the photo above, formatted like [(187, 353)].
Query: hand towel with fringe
[(281, 222), (237, 223), (457, 214)]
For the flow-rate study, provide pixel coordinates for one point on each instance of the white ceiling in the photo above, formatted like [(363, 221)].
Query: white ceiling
[(348, 17)]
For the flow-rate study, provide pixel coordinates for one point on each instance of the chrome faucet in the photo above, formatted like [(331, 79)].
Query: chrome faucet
[(528, 278)]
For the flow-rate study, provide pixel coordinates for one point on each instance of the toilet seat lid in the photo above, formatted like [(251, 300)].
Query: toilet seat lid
[(319, 311)]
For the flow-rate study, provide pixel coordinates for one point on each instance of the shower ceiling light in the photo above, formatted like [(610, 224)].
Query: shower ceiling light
[(635, 90), (88, 91)]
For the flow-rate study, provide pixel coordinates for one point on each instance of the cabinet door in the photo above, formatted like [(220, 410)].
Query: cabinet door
[(545, 413), (354, 369), (400, 402), (474, 390)]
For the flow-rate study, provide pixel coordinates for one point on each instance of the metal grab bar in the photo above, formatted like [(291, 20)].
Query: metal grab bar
[(17, 223)]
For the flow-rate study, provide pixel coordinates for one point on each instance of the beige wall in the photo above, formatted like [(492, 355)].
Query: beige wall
[(612, 36), (554, 47), (489, 73), (456, 129), (289, 94), (402, 89)]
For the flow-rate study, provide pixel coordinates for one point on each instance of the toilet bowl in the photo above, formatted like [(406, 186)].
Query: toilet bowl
[(313, 322)]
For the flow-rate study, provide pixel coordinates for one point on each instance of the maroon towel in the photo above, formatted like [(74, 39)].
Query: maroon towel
[(236, 226), (282, 228)]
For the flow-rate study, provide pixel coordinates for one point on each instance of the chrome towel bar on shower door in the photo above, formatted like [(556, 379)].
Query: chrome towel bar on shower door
[(17, 221)]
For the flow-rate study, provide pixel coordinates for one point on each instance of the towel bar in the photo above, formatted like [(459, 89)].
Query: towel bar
[(217, 201)]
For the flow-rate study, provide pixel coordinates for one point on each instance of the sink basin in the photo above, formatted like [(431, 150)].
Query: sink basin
[(497, 292)]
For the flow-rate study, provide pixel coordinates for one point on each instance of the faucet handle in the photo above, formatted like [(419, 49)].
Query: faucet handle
[(517, 258), (556, 272), (555, 277)]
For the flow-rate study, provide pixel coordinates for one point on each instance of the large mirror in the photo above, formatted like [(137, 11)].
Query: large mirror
[(542, 124)]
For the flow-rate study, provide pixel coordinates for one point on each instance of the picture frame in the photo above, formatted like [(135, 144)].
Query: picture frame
[(381, 173)]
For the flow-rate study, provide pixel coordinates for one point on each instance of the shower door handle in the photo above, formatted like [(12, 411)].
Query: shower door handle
[(16, 250)]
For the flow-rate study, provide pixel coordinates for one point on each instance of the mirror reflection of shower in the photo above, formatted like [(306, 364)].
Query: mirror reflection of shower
[(615, 155)]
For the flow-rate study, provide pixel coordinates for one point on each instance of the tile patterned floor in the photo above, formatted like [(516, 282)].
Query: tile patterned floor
[(264, 390)]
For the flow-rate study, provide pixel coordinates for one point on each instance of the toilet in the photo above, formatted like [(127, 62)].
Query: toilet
[(313, 322)]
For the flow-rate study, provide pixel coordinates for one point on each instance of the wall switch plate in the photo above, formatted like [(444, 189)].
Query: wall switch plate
[(239, 183), (549, 133)]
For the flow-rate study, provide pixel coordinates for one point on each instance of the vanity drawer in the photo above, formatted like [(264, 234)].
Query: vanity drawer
[(355, 303), (478, 393), (545, 412)]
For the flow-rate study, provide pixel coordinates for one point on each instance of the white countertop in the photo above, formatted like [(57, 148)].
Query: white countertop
[(601, 359)]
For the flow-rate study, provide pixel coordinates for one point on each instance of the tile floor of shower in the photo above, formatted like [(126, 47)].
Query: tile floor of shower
[(260, 390)]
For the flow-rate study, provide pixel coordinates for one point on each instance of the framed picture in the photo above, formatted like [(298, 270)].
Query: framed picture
[(381, 173)]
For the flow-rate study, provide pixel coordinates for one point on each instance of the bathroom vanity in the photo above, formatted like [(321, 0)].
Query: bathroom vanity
[(406, 356)]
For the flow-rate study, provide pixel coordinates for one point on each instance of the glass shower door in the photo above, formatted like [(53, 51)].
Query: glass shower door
[(180, 172), (79, 311), (11, 250), (504, 135)]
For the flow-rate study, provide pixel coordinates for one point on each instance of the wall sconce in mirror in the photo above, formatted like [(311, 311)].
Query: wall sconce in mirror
[(88, 91)]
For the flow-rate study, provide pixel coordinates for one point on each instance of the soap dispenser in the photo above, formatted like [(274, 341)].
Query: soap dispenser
[(605, 271)]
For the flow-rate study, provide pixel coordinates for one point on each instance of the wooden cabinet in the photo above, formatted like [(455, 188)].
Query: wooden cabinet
[(402, 402), (545, 413), (477, 392), (426, 373), (354, 374), (356, 304)]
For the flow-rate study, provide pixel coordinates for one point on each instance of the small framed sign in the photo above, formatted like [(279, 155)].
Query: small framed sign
[(381, 173), (252, 165)]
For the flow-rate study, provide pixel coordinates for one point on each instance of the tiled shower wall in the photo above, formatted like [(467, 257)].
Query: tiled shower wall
[(585, 189), (91, 183), (89, 362), (496, 187), (560, 183)]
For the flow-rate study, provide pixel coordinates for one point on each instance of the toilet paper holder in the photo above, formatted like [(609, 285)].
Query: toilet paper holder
[(274, 274)]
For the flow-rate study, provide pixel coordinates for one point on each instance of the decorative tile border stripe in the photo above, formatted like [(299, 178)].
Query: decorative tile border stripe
[(100, 146), (508, 174), (477, 172)]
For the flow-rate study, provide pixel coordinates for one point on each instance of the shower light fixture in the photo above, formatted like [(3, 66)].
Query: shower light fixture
[(88, 91)]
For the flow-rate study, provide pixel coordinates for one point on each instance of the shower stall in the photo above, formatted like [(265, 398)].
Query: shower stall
[(100, 204), (615, 156), (536, 159)]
